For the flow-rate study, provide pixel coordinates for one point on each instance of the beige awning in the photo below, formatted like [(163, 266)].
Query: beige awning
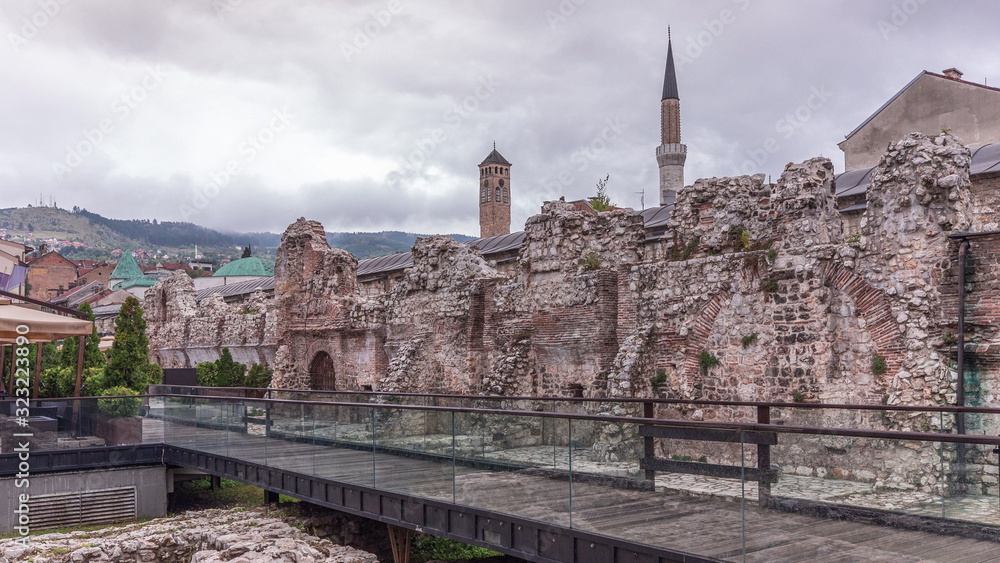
[(41, 326)]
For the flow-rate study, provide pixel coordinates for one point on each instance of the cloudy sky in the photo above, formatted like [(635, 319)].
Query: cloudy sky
[(246, 114)]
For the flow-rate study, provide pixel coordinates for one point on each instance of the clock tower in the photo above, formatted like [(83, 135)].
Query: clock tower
[(494, 195)]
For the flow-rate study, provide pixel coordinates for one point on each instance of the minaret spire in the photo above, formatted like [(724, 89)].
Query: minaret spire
[(671, 154)]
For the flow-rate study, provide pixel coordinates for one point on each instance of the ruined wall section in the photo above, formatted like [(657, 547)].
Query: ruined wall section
[(563, 319), (919, 194), (318, 309), (435, 319), (183, 332), (749, 314)]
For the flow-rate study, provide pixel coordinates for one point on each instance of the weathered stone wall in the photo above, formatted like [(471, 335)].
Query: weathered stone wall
[(183, 332), (752, 293)]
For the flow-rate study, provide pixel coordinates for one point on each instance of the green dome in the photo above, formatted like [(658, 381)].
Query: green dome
[(251, 266), (126, 269)]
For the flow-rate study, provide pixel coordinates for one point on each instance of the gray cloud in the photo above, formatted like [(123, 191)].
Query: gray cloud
[(424, 90)]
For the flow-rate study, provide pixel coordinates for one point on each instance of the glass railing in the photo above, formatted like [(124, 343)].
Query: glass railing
[(772, 482)]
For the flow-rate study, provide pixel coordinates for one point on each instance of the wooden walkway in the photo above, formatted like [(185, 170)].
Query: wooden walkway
[(706, 527)]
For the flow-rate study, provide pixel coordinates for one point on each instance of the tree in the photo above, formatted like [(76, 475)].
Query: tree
[(128, 366), (228, 372), (601, 201), (92, 355)]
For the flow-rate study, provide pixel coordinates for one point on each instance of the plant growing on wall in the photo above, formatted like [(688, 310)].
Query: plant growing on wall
[(878, 365), (707, 360), (601, 201), (659, 379), (749, 339), (591, 261)]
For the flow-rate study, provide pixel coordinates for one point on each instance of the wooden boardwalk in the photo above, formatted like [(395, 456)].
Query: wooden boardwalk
[(707, 527)]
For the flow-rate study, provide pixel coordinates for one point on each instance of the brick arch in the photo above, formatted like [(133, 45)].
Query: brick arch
[(701, 329), (316, 348), (873, 307)]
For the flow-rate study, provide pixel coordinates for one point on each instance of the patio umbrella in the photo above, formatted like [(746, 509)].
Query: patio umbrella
[(39, 326)]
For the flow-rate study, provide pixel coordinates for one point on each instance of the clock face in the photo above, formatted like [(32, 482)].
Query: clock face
[(501, 183)]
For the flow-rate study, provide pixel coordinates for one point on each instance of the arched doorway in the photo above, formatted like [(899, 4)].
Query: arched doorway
[(321, 372)]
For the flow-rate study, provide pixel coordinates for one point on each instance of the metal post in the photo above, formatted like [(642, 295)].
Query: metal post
[(81, 342), (38, 370), (3, 357), (963, 249), (648, 447), (10, 374), (763, 460), (960, 385)]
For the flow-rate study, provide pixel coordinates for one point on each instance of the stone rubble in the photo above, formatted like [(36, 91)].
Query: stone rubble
[(209, 536)]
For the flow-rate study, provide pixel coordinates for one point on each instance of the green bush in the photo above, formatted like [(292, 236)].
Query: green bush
[(429, 548), (94, 382), (228, 372), (205, 372), (259, 376), (119, 408)]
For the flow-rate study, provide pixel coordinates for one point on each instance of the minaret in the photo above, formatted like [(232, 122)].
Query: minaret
[(671, 154), (494, 195)]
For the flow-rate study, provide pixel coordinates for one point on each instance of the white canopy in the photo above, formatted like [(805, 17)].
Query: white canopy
[(41, 326)]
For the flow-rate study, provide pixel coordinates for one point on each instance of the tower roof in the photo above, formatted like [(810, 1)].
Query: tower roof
[(494, 158), (669, 76), (126, 269)]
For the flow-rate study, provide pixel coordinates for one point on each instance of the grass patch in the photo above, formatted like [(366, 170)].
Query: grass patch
[(428, 548), (198, 494)]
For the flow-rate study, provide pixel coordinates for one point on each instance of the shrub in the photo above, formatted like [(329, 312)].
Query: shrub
[(878, 365), (591, 261), (228, 372), (125, 407), (430, 548), (259, 376), (205, 372), (708, 360), (659, 379)]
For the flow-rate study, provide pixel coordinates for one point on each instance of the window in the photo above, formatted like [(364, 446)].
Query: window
[(482, 195), (498, 195), (505, 195)]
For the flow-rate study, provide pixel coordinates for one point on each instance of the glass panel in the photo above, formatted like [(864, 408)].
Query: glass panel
[(414, 452), (969, 488), (506, 464), (342, 443)]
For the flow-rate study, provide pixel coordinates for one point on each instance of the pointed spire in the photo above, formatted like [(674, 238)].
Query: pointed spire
[(669, 76)]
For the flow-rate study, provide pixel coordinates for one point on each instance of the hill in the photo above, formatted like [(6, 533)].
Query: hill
[(96, 236)]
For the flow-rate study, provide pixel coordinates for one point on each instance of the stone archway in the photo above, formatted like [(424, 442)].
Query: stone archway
[(321, 374)]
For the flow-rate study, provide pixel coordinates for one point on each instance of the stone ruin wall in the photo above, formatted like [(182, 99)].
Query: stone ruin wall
[(184, 332), (758, 276)]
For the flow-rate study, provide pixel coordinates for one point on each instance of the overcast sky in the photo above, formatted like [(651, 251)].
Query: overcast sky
[(246, 114)]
